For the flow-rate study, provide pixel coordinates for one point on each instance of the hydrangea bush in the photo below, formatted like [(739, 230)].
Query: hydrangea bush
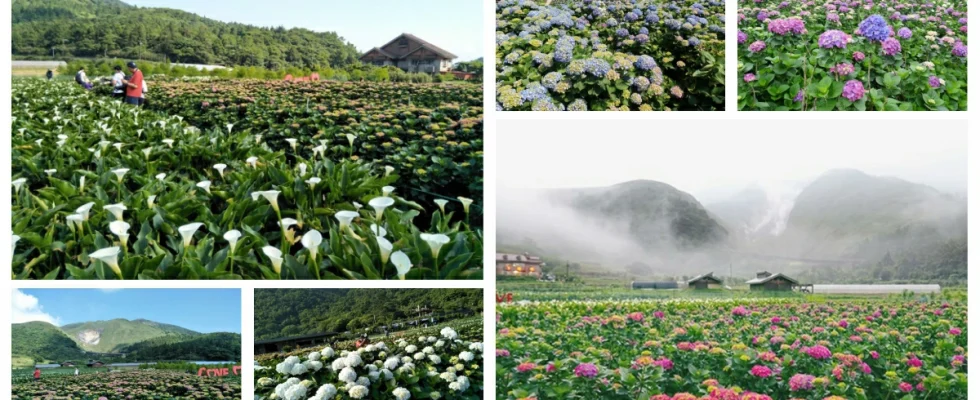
[(852, 55), (761, 349), (429, 367), (132, 384), (594, 55)]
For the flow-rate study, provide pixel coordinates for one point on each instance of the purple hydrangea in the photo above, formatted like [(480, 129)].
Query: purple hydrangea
[(642, 38), (891, 47), (959, 49), (645, 63), (858, 56), (904, 33), (875, 28), (742, 37), (842, 69), (787, 26), (749, 77), (934, 81), (834, 39), (853, 90), (757, 46), (622, 32), (693, 41), (833, 17), (586, 370), (799, 96), (762, 15)]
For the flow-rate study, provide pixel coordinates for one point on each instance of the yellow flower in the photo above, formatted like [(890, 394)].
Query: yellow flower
[(744, 357), (913, 370), (891, 374)]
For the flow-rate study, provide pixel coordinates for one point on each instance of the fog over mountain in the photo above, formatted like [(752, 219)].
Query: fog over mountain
[(866, 213)]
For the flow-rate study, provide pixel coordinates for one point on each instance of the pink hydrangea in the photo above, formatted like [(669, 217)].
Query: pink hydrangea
[(740, 311), (503, 353), (914, 362), (853, 90), (819, 352), (526, 367), (955, 331), (801, 382), (905, 387), (787, 26), (550, 367), (761, 371), (586, 370)]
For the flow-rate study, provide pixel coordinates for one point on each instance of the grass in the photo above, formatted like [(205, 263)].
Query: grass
[(28, 71), (22, 362)]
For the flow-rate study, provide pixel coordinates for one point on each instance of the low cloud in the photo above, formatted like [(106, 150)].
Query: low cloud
[(27, 308)]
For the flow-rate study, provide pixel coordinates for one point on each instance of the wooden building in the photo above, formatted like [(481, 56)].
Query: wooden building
[(294, 342), (518, 265), (706, 281), (68, 364), (95, 364), (772, 282), (411, 54)]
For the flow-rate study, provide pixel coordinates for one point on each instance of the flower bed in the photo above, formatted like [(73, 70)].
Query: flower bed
[(130, 385)]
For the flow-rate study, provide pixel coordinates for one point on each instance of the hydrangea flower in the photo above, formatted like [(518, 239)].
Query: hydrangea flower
[(757, 46), (905, 33), (891, 46), (749, 77), (788, 26), (875, 28), (834, 39)]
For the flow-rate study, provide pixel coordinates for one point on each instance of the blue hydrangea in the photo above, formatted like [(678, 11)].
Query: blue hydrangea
[(640, 83), (673, 7), (559, 17), (576, 67), (581, 24), (673, 24), (597, 67), (612, 22), (875, 28), (564, 48), (551, 80), (652, 18), (645, 63), (512, 58), (633, 16), (502, 37), (642, 38), (644, 31), (534, 91), (693, 41), (622, 32), (716, 29), (545, 104), (578, 105)]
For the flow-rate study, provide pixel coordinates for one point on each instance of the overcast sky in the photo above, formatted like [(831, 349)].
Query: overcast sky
[(714, 158)]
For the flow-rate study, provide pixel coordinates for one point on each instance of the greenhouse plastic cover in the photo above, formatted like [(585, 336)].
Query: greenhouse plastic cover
[(871, 289)]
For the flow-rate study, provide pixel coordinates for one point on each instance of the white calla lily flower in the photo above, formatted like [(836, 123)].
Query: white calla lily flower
[(378, 231), (435, 242), (385, 246), (120, 229), (466, 203), (252, 161), (442, 204), (161, 176), (150, 200), (387, 190), (109, 256), (116, 210), (169, 142), (380, 204), (271, 195), (302, 169), (345, 218), (389, 169), (292, 143), (232, 237), (275, 255), (312, 182), (402, 263), (18, 183), (221, 169), (187, 232), (120, 173), (206, 185), (311, 241)]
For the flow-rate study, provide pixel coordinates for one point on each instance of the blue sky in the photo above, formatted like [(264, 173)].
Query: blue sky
[(454, 25), (202, 310)]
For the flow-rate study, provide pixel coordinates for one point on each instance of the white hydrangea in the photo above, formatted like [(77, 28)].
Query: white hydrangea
[(462, 383), (435, 359), (363, 381), (406, 359), (344, 353), (401, 343), (381, 346), (459, 367), (313, 365), (314, 356), (421, 339), (449, 333), (372, 367), (388, 375), (431, 373), (419, 356), (428, 350), (286, 366), (296, 392), (327, 354), (435, 395), (466, 356), (478, 347), (448, 376), (432, 339), (347, 375), (411, 349), (338, 364), (392, 363), (298, 369), (354, 360), (358, 392), (325, 392), (369, 348), (374, 375), (283, 387), (407, 368), (401, 393), (440, 343)]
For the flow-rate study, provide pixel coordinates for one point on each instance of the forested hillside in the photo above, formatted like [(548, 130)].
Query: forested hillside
[(206, 347), (109, 28), (289, 312)]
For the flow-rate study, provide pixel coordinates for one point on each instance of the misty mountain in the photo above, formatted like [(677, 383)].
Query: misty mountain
[(757, 211)]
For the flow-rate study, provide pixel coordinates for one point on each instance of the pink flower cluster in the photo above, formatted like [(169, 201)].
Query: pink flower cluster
[(586, 370), (801, 382), (761, 371), (818, 352), (853, 90), (787, 26), (740, 311)]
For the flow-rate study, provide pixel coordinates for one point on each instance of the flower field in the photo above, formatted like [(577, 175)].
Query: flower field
[(851, 55), (447, 366), (107, 191), (142, 385), (596, 55), (732, 349)]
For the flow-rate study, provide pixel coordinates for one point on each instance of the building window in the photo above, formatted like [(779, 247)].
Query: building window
[(530, 269)]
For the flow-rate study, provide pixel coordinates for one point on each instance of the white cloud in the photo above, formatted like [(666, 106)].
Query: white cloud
[(27, 308), (109, 290)]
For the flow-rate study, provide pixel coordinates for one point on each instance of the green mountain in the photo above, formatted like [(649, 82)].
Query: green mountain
[(110, 28), (654, 213), (220, 346), (292, 312), (42, 341), (114, 335)]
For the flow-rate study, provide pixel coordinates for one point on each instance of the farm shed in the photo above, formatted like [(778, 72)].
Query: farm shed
[(706, 281), (518, 265), (773, 282), (653, 285), (95, 364), (68, 364), (411, 54), (875, 289)]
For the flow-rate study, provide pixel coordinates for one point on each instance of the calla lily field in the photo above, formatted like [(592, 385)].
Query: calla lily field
[(852, 55), (336, 181), (447, 364), (740, 349)]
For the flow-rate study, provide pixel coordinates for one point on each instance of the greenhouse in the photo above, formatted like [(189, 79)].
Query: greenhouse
[(874, 289)]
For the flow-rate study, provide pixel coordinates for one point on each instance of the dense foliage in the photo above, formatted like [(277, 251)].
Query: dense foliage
[(448, 366), (42, 341), (114, 29), (294, 312), (743, 349), (610, 55), (850, 55), (255, 202), (220, 346), (136, 384)]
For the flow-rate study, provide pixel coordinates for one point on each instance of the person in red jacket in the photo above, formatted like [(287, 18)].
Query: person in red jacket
[(37, 374), (134, 85)]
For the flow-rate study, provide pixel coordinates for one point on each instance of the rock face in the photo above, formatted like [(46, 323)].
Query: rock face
[(89, 337)]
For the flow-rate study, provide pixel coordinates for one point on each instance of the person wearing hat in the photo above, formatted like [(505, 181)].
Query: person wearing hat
[(134, 85), (118, 88), (82, 79)]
